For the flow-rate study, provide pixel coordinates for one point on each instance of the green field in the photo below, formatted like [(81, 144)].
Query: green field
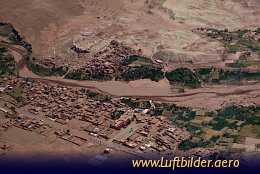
[(201, 119), (17, 94), (250, 131), (7, 63), (138, 61), (210, 133), (183, 76), (143, 72)]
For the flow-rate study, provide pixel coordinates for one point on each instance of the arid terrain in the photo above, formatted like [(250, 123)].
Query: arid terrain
[(131, 78), (52, 27)]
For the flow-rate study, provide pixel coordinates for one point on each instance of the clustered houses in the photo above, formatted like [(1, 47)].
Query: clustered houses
[(123, 121), (11, 117), (62, 104), (254, 35), (213, 32), (25, 123), (106, 62), (170, 138), (70, 138), (247, 34), (156, 133), (32, 125), (8, 85), (113, 56), (6, 125), (99, 131)]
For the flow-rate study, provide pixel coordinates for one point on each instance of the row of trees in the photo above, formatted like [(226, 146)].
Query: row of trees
[(184, 76), (41, 70), (143, 72), (81, 75)]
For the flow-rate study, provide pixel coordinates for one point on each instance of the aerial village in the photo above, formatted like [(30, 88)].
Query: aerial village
[(140, 126), (119, 124), (101, 65), (106, 121)]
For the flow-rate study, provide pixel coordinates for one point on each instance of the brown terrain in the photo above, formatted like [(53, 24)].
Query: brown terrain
[(52, 27), (161, 29), (216, 96), (70, 33)]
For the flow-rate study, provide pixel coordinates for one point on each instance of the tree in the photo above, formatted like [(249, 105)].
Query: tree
[(12, 108), (181, 90)]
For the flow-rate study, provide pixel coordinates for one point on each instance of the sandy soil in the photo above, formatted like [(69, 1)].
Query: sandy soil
[(52, 26), (20, 137), (39, 147), (215, 13)]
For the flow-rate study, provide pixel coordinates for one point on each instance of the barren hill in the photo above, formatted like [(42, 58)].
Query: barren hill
[(53, 26)]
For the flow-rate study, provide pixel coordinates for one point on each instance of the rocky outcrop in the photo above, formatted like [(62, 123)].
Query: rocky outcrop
[(12, 35)]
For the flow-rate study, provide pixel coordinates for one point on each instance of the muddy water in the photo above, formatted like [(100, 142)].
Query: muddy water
[(140, 88), (117, 88)]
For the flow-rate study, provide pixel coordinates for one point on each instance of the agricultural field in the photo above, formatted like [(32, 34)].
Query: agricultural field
[(201, 119), (219, 130), (250, 131), (17, 94), (135, 77)]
